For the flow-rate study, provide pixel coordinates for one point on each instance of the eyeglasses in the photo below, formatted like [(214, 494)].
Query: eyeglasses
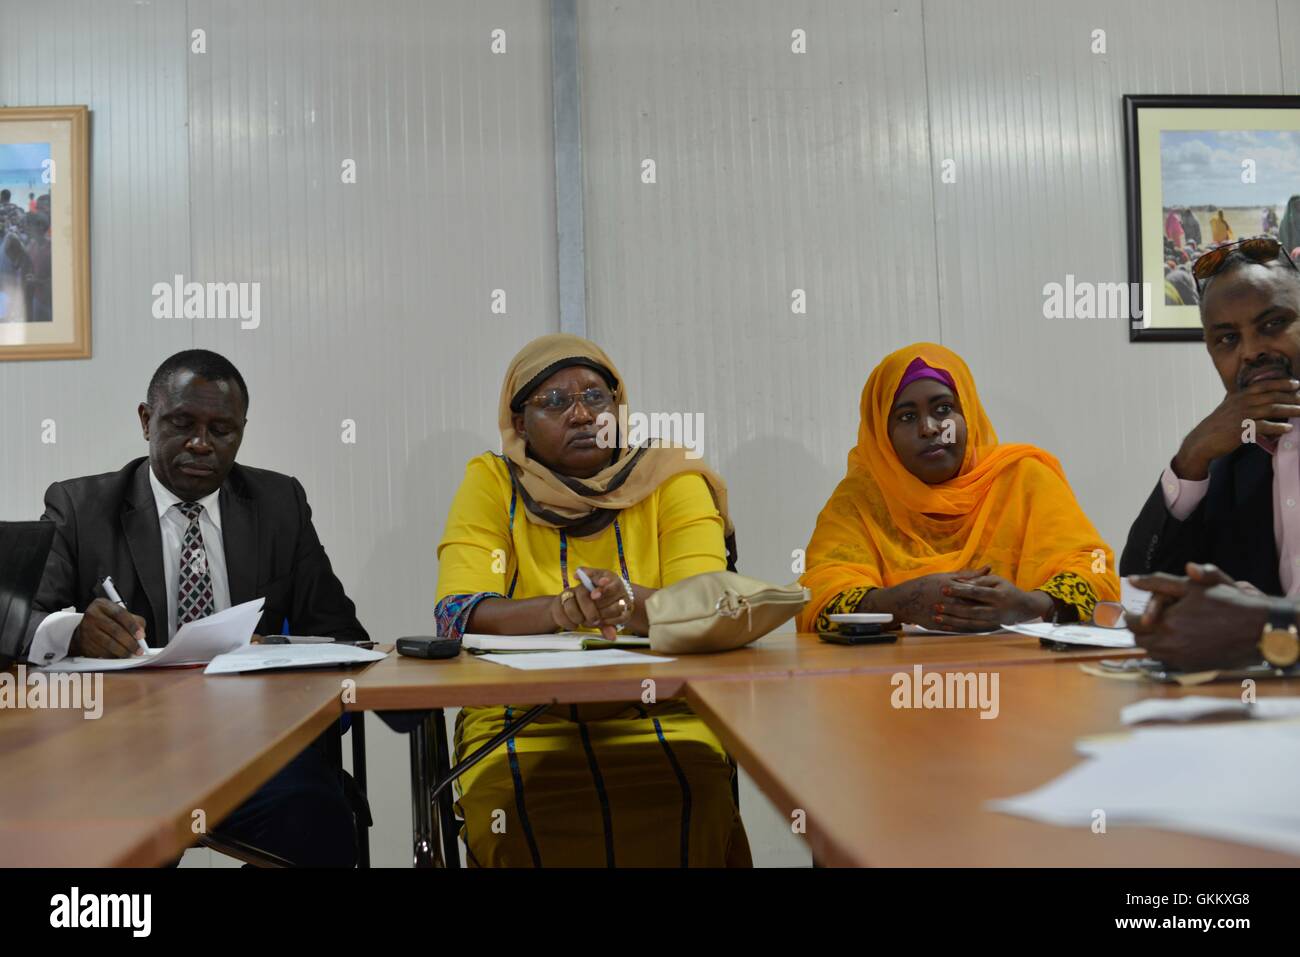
[(1108, 614), (557, 401), (1262, 249)]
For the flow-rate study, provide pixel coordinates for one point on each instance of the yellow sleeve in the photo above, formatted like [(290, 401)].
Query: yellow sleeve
[(690, 530), (846, 602), (841, 560), (1075, 591), (475, 553)]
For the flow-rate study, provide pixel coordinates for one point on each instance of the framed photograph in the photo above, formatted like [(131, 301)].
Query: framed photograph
[(1202, 171), (44, 233)]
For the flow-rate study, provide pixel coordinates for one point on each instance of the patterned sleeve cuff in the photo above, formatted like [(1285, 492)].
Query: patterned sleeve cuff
[(452, 613), (1073, 596), (846, 602)]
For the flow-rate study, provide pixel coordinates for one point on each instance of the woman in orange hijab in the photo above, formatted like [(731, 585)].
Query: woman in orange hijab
[(939, 525)]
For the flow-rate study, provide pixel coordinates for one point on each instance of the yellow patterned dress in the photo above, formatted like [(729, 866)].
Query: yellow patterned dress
[(614, 784)]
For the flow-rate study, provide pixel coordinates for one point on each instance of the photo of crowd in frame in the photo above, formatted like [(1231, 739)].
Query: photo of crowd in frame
[(44, 233), (1203, 172)]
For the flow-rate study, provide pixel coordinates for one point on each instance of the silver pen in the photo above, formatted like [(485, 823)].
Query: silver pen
[(111, 591)]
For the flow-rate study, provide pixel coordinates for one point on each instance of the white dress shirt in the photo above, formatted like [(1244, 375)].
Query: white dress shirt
[(54, 634)]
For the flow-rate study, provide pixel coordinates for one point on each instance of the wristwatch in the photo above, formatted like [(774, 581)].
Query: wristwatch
[(1279, 642)]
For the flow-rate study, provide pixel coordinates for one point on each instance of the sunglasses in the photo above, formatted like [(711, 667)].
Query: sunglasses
[(1261, 249)]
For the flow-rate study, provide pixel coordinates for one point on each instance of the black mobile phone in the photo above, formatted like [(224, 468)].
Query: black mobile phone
[(858, 638), (427, 646)]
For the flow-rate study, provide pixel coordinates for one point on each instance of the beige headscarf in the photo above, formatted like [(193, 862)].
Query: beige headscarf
[(585, 506)]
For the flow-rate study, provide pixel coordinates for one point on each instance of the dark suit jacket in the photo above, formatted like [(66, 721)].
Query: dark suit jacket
[(1231, 527), (108, 525)]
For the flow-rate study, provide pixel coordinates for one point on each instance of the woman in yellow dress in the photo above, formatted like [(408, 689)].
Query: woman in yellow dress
[(1220, 231), (939, 525), (619, 783)]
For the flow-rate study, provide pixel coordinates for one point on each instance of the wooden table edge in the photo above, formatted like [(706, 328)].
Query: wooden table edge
[(562, 691), (173, 836), (827, 852)]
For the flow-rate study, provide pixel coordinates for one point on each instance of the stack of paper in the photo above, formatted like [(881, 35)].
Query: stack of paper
[(275, 657), (194, 643), (1078, 634), (1133, 599), (559, 641), (573, 659), (1191, 707), (1234, 781), (910, 629)]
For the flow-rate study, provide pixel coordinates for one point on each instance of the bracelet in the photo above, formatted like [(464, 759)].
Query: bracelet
[(631, 603)]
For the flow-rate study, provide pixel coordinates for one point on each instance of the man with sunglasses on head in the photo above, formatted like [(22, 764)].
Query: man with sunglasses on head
[(1230, 498)]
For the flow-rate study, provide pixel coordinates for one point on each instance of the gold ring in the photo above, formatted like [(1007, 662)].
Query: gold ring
[(566, 595)]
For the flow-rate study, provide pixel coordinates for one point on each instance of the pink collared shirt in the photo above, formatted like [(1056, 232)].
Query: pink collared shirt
[(1182, 496)]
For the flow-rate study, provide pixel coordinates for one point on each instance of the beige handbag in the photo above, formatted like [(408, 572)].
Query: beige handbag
[(718, 611)]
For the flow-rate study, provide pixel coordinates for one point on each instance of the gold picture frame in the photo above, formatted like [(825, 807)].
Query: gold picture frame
[(45, 232)]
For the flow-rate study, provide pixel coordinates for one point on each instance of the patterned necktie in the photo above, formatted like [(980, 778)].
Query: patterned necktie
[(194, 595)]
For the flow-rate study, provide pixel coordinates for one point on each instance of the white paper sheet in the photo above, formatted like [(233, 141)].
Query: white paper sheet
[(1078, 634), (1235, 781), (573, 659), (910, 629), (1191, 707), (558, 641), (1133, 599), (195, 643), (275, 657)]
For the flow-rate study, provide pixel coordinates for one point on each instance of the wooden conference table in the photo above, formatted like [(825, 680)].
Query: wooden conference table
[(400, 683), (894, 787), (428, 687), (121, 790)]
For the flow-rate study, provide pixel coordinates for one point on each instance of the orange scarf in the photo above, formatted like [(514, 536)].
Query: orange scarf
[(1009, 506)]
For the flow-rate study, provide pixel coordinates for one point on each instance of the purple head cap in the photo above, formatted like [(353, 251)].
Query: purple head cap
[(918, 369)]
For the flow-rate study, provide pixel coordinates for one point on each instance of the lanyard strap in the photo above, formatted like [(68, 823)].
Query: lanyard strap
[(564, 551), (564, 555)]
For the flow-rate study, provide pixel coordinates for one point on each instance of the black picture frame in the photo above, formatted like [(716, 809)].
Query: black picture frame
[(1133, 104)]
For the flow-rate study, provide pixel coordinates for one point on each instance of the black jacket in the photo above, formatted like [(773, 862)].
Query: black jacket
[(1231, 527), (108, 525)]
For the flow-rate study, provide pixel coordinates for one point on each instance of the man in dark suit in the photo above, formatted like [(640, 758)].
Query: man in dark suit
[(185, 533), (1231, 495)]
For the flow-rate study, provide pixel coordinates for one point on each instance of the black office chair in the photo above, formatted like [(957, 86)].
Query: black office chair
[(448, 823)]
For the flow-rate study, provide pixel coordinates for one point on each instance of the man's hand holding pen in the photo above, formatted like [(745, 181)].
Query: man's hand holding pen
[(108, 630)]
